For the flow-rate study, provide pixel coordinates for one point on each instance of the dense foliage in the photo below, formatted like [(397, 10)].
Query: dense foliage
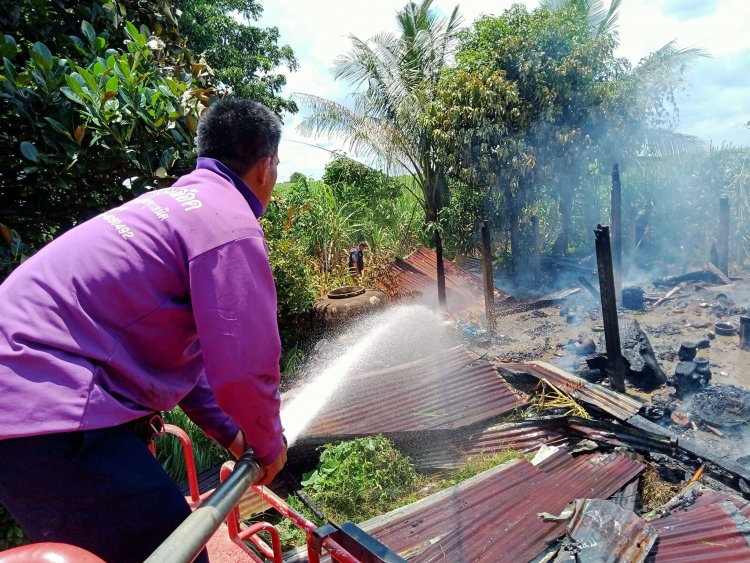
[(243, 57), (538, 103), (110, 112), (361, 478), (101, 101)]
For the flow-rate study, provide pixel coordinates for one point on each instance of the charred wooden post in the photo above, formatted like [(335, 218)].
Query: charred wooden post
[(536, 260), (615, 361), (440, 270), (724, 234), (489, 281), (745, 333), (616, 229)]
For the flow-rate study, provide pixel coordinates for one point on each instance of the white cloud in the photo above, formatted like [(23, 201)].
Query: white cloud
[(318, 32)]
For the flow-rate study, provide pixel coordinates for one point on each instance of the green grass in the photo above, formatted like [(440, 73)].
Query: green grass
[(169, 451)]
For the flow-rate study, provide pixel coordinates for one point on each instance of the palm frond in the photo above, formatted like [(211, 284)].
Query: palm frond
[(668, 60), (667, 143), (602, 20), (364, 134)]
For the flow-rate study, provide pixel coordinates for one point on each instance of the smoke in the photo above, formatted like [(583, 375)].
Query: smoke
[(398, 335)]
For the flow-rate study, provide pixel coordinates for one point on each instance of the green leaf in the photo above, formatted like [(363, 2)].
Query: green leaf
[(41, 55), (134, 34), (88, 78), (73, 83), (70, 94), (9, 70), (88, 31), (112, 84), (29, 151), (8, 47), (59, 127)]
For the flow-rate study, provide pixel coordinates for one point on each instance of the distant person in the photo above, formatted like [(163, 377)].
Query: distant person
[(167, 299), (357, 260)]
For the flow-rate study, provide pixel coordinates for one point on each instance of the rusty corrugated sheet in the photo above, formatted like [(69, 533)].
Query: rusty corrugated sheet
[(715, 532), (451, 450), (493, 517), (451, 389), (619, 405), (418, 274), (710, 496)]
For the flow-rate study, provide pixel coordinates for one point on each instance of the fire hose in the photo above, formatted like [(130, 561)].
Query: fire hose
[(347, 542), (190, 537)]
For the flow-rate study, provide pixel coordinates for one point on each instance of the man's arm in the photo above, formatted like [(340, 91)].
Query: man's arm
[(201, 407), (234, 303)]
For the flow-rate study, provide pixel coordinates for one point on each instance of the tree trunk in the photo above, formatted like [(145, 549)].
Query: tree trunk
[(433, 200)]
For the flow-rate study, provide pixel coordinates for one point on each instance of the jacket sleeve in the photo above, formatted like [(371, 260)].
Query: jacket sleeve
[(201, 407), (234, 304)]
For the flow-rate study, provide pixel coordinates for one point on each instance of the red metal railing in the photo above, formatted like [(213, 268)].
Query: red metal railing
[(197, 531)]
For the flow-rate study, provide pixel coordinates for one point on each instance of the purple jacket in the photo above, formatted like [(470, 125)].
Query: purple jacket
[(165, 300)]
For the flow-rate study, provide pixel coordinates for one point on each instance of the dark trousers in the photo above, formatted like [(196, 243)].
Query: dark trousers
[(101, 490)]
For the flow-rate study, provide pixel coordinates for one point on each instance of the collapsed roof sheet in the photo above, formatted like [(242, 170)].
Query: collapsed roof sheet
[(451, 389), (619, 405), (418, 274), (713, 532), (449, 450), (493, 516)]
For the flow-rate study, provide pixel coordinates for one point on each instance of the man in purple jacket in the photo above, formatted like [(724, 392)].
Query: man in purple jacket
[(165, 300)]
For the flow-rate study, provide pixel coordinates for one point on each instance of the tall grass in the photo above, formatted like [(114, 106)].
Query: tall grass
[(170, 453)]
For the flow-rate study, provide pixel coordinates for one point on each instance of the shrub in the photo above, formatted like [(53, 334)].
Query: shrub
[(358, 479), (11, 534)]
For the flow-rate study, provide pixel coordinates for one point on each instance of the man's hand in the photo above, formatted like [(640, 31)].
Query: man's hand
[(276, 466)]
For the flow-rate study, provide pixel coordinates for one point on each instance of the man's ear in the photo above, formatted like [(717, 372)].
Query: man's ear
[(258, 174)]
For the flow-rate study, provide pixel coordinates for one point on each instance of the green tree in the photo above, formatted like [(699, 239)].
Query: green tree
[(395, 78), (539, 97), (243, 57), (82, 134)]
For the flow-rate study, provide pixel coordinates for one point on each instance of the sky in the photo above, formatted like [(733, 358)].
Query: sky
[(714, 105)]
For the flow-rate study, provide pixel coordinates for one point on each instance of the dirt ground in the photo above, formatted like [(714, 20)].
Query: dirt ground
[(541, 334)]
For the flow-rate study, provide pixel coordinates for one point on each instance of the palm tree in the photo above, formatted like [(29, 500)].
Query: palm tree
[(394, 78)]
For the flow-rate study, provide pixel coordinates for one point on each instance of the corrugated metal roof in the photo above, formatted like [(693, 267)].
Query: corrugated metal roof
[(493, 516), (715, 532), (451, 450), (710, 496), (418, 274), (451, 389), (619, 405)]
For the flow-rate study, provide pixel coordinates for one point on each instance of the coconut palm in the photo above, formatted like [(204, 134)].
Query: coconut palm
[(394, 77)]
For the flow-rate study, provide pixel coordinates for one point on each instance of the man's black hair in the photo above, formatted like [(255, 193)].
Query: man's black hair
[(238, 133)]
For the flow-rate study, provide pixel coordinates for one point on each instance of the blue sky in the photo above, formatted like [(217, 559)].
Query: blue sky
[(715, 104)]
